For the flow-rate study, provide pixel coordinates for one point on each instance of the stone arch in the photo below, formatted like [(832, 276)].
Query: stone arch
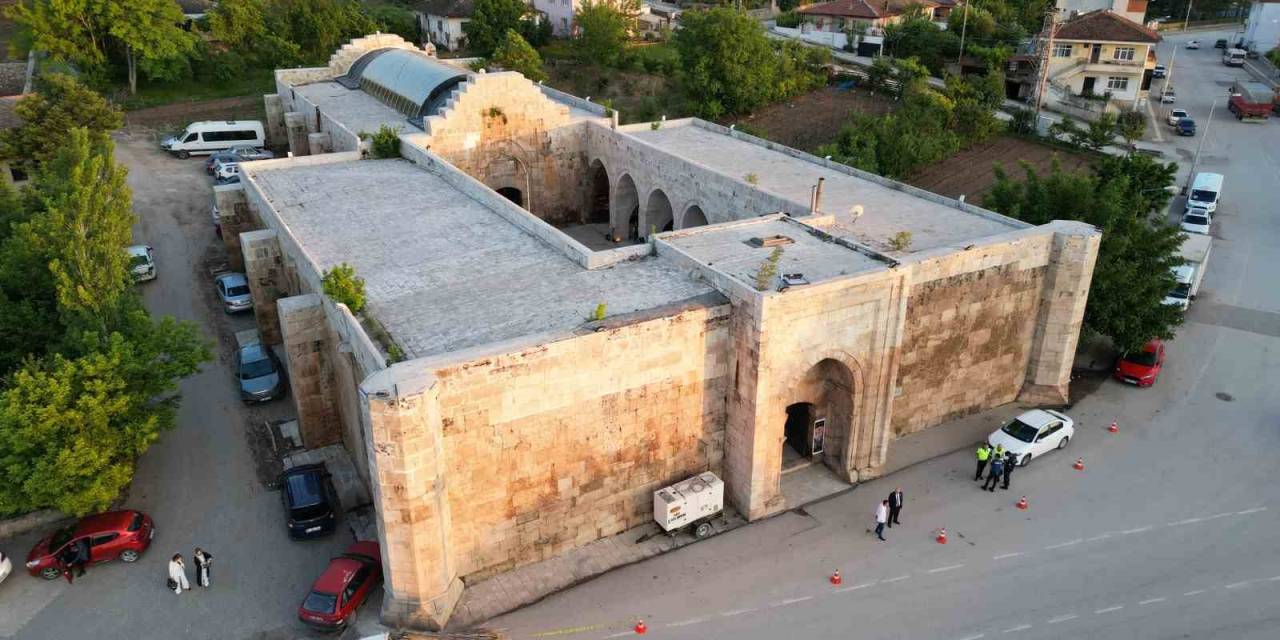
[(625, 205), (598, 204), (693, 217), (657, 213), (513, 194), (833, 388)]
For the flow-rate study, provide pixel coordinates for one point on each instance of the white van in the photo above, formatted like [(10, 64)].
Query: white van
[(1206, 189), (1234, 57), (203, 138)]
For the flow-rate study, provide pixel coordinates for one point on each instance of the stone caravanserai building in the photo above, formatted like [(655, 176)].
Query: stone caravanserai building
[(565, 314)]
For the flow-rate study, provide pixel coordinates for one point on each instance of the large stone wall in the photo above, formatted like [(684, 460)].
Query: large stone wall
[(556, 445)]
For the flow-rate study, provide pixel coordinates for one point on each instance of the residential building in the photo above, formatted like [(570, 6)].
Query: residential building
[(1262, 28), (561, 14), (441, 22), (1134, 10), (565, 314), (869, 16)]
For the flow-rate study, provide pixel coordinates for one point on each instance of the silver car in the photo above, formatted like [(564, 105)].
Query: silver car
[(260, 376), (247, 153), (233, 289)]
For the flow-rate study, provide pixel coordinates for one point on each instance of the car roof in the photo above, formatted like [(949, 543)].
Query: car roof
[(138, 250), (336, 575), (1037, 418), (253, 352), (233, 279), (109, 521)]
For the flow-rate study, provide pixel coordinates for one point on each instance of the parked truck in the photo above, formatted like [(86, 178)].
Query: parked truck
[(1251, 101), (1195, 254)]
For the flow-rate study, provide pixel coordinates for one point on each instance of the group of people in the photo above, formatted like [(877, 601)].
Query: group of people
[(888, 511), (178, 570), (1002, 465)]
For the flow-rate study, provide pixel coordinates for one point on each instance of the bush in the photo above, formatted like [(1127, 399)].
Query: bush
[(343, 285), (514, 54), (385, 143), (788, 19)]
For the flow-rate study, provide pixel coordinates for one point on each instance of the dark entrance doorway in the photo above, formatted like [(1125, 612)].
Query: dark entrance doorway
[(513, 194), (1095, 53), (599, 206), (1087, 89), (805, 434)]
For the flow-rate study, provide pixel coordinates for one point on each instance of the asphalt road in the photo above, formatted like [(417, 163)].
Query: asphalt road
[(1170, 531), (198, 482)]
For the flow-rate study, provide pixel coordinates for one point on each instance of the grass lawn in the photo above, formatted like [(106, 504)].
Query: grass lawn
[(253, 82)]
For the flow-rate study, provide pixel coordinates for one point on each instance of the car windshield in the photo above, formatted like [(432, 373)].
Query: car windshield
[(304, 490), (1182, 291), (237, 290), (256, 369), (1197, 220), (1144, 358), (1021, 430), (61, 537), (1201, 195), (321, 602), (138, 261)]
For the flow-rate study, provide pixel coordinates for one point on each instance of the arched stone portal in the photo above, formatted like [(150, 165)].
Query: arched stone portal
[(598, 204), (693, 217), (657, 213), (513, 194), (626, 209), (821, 417)]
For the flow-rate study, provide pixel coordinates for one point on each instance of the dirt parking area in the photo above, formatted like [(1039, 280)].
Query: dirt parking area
[(811, 120), (971, 173)]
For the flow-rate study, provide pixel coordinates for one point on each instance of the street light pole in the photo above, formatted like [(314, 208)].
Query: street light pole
[(1195, 160), (1186, 19), (964, 24)]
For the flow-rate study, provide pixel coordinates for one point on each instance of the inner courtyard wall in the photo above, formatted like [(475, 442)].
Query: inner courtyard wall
[(555, 445)]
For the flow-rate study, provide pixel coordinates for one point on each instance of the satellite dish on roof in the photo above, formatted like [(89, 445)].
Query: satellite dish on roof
[(855, 212)]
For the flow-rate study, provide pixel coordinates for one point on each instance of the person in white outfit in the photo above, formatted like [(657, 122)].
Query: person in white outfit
[(882, 516), (178, 574)]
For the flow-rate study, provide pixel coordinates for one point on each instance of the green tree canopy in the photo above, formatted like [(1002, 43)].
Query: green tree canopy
[(1132, 275), (603, 26), (343, 285), (894, 145), (514, 54), (490, 22), (48, 116)]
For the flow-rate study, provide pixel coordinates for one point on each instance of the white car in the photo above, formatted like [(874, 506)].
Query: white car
[(226, 170), (6, 567), (1034, 434), (142, 263), (1175, 115), (1168, 97), (1193, 44), (1196, 221)]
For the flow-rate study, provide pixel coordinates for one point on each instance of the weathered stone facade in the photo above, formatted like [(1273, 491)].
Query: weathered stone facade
[(520, 425)]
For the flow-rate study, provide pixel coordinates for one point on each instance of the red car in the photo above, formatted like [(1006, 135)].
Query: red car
[(1141, 368), (116, 534), (343, 587)]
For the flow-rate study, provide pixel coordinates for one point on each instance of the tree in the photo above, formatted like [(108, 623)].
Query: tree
[(317, 27), (1101, 132), (48, 116), (151, 36), (242, 26), (490, 22), (514, 54), (603, 26), (343, 285), (896, 144), (1131, 125), (918, 37), (1132, 275)]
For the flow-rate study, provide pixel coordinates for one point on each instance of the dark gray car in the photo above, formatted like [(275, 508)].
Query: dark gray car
[(260, 375)]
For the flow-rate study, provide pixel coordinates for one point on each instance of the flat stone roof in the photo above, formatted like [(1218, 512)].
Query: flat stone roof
[(443, 271), (728, 249), (886, 211), (355, 109)]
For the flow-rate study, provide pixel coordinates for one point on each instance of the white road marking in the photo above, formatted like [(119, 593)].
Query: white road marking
[(793, 600), (980, 635), (1021, 627), (1138, 530), (685, 623), (1249, 511), (620, 634), (1101, 537), (1237, 585), (1063, 618), (1194, 593), (1152, 601), (1009, 555), (735, 612), (856, 587), (948, 568), (1219, 515), (897, 579), (1275, 579), (1187, 521), (1110, 609), (1064, 544)]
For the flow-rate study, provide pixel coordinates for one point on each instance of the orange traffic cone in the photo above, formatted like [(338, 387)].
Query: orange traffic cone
[(1079, 465), (1114, 428), (1022, 504), (640, 628), (942, 536), (835, 577)]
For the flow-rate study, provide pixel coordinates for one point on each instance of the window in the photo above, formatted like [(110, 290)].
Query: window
[(103, 538), (1124, 53), (1061, 50), (191, 137), (1049, 430), (357, 581), (564, 22), (1117, 84)]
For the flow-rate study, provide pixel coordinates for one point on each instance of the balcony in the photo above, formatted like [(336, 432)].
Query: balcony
[(1112, 65)]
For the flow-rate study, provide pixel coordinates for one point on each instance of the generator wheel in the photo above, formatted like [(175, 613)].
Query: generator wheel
[(703, 530)]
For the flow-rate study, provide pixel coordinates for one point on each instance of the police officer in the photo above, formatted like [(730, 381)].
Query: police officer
[(984, 454), (1010, 461), (993, 478)]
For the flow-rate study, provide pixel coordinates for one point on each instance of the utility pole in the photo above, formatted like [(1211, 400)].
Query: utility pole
[(1168, 77), (1043, 53), (1187, 19), (964, 24), (1196, 159)]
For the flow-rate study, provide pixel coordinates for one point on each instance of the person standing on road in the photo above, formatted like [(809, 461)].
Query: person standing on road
[(202, 559), (882, 517), (82, 556), (984, 454), (1010, 461), (178, 575), (997, 470), (895, 506)]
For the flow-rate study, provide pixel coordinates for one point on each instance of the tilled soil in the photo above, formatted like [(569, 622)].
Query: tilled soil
[(971, 173), (811, 120)]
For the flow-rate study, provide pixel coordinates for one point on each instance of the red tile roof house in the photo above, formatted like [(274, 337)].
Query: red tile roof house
[(842, 15)]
